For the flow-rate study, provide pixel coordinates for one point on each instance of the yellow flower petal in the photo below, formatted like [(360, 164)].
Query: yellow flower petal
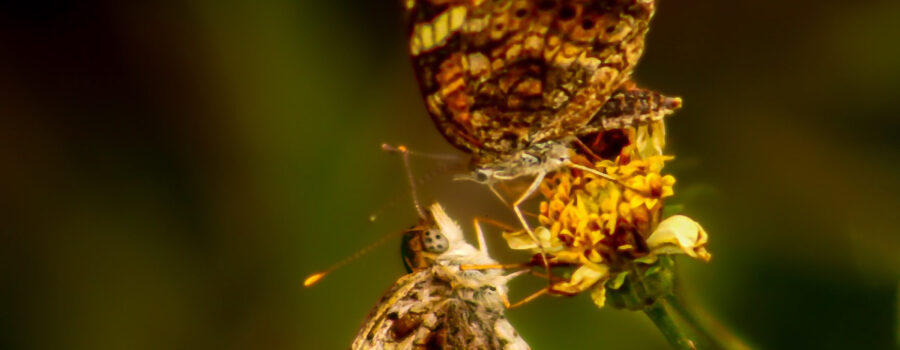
[(658, 131), (544, 235), (625, 209), (635, 201), (564, 232), (679, 234), (598, 295), (668, 180), (583, 278), (610, 221), (556, 206), (569, 256), (519, 240), (555, 229), (667, 192)]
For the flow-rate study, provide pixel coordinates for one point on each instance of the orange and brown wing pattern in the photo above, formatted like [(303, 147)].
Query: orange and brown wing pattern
[(498, 76), (439, 305), (428, 310)]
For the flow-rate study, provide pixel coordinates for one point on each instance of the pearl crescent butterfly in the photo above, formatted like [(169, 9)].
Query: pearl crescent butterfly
[(510, 81), (516, 82)]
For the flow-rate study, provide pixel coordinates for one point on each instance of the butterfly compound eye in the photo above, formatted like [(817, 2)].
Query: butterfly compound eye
[(530, 159), (434, 241), (481, 175)]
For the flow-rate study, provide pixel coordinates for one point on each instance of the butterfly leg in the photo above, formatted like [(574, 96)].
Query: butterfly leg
[(479, 219), (509, 277), (512, 275), (530, 298), (505, 202), (497, 193), (593, 171), (493, 267), (495, 223), (535, 295), (480, 235), (477, 222), (531, 189), (587, 150)]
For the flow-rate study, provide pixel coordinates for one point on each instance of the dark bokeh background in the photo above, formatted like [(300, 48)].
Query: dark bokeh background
[(171, 172)]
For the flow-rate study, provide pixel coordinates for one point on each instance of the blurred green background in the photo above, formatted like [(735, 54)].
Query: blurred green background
[(172, 171)]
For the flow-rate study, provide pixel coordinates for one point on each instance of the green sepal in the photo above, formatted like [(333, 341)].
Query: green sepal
[(641, 285), (649, 259), (617, 281)]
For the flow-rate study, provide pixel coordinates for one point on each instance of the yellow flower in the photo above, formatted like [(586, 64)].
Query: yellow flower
[(679, 234), (604, 228), (651, 139), (583, 279), (649, 189)]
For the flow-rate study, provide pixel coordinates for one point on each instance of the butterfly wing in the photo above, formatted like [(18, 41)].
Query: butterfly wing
[(379, 329), (425, 310), (498, 76)]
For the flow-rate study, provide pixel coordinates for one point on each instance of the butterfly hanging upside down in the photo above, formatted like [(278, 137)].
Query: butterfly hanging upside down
[(455, 296), (516, 82), (440, 305)]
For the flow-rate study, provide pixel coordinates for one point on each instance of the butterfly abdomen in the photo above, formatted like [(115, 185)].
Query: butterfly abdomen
[(631, 108)]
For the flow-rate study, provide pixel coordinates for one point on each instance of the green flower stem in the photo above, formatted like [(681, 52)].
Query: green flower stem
[(713, 332), (661, 318)]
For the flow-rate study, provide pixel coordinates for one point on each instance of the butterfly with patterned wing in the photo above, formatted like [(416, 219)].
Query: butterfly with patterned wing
[(442, 305)]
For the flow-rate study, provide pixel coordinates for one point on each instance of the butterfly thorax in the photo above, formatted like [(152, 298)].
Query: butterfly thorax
[(542, 157)]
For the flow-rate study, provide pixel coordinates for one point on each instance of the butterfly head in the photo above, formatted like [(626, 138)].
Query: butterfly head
[(438, 238)]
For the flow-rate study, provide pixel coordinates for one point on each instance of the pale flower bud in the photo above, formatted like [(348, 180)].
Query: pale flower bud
[(679, 234)]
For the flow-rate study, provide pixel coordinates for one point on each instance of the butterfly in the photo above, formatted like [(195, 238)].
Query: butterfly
[(440, 305), (515, 82)]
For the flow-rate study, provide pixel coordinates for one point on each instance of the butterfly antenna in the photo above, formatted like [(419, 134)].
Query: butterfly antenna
[(316, 277), (442, 168), (412, 181), (433, 156)]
